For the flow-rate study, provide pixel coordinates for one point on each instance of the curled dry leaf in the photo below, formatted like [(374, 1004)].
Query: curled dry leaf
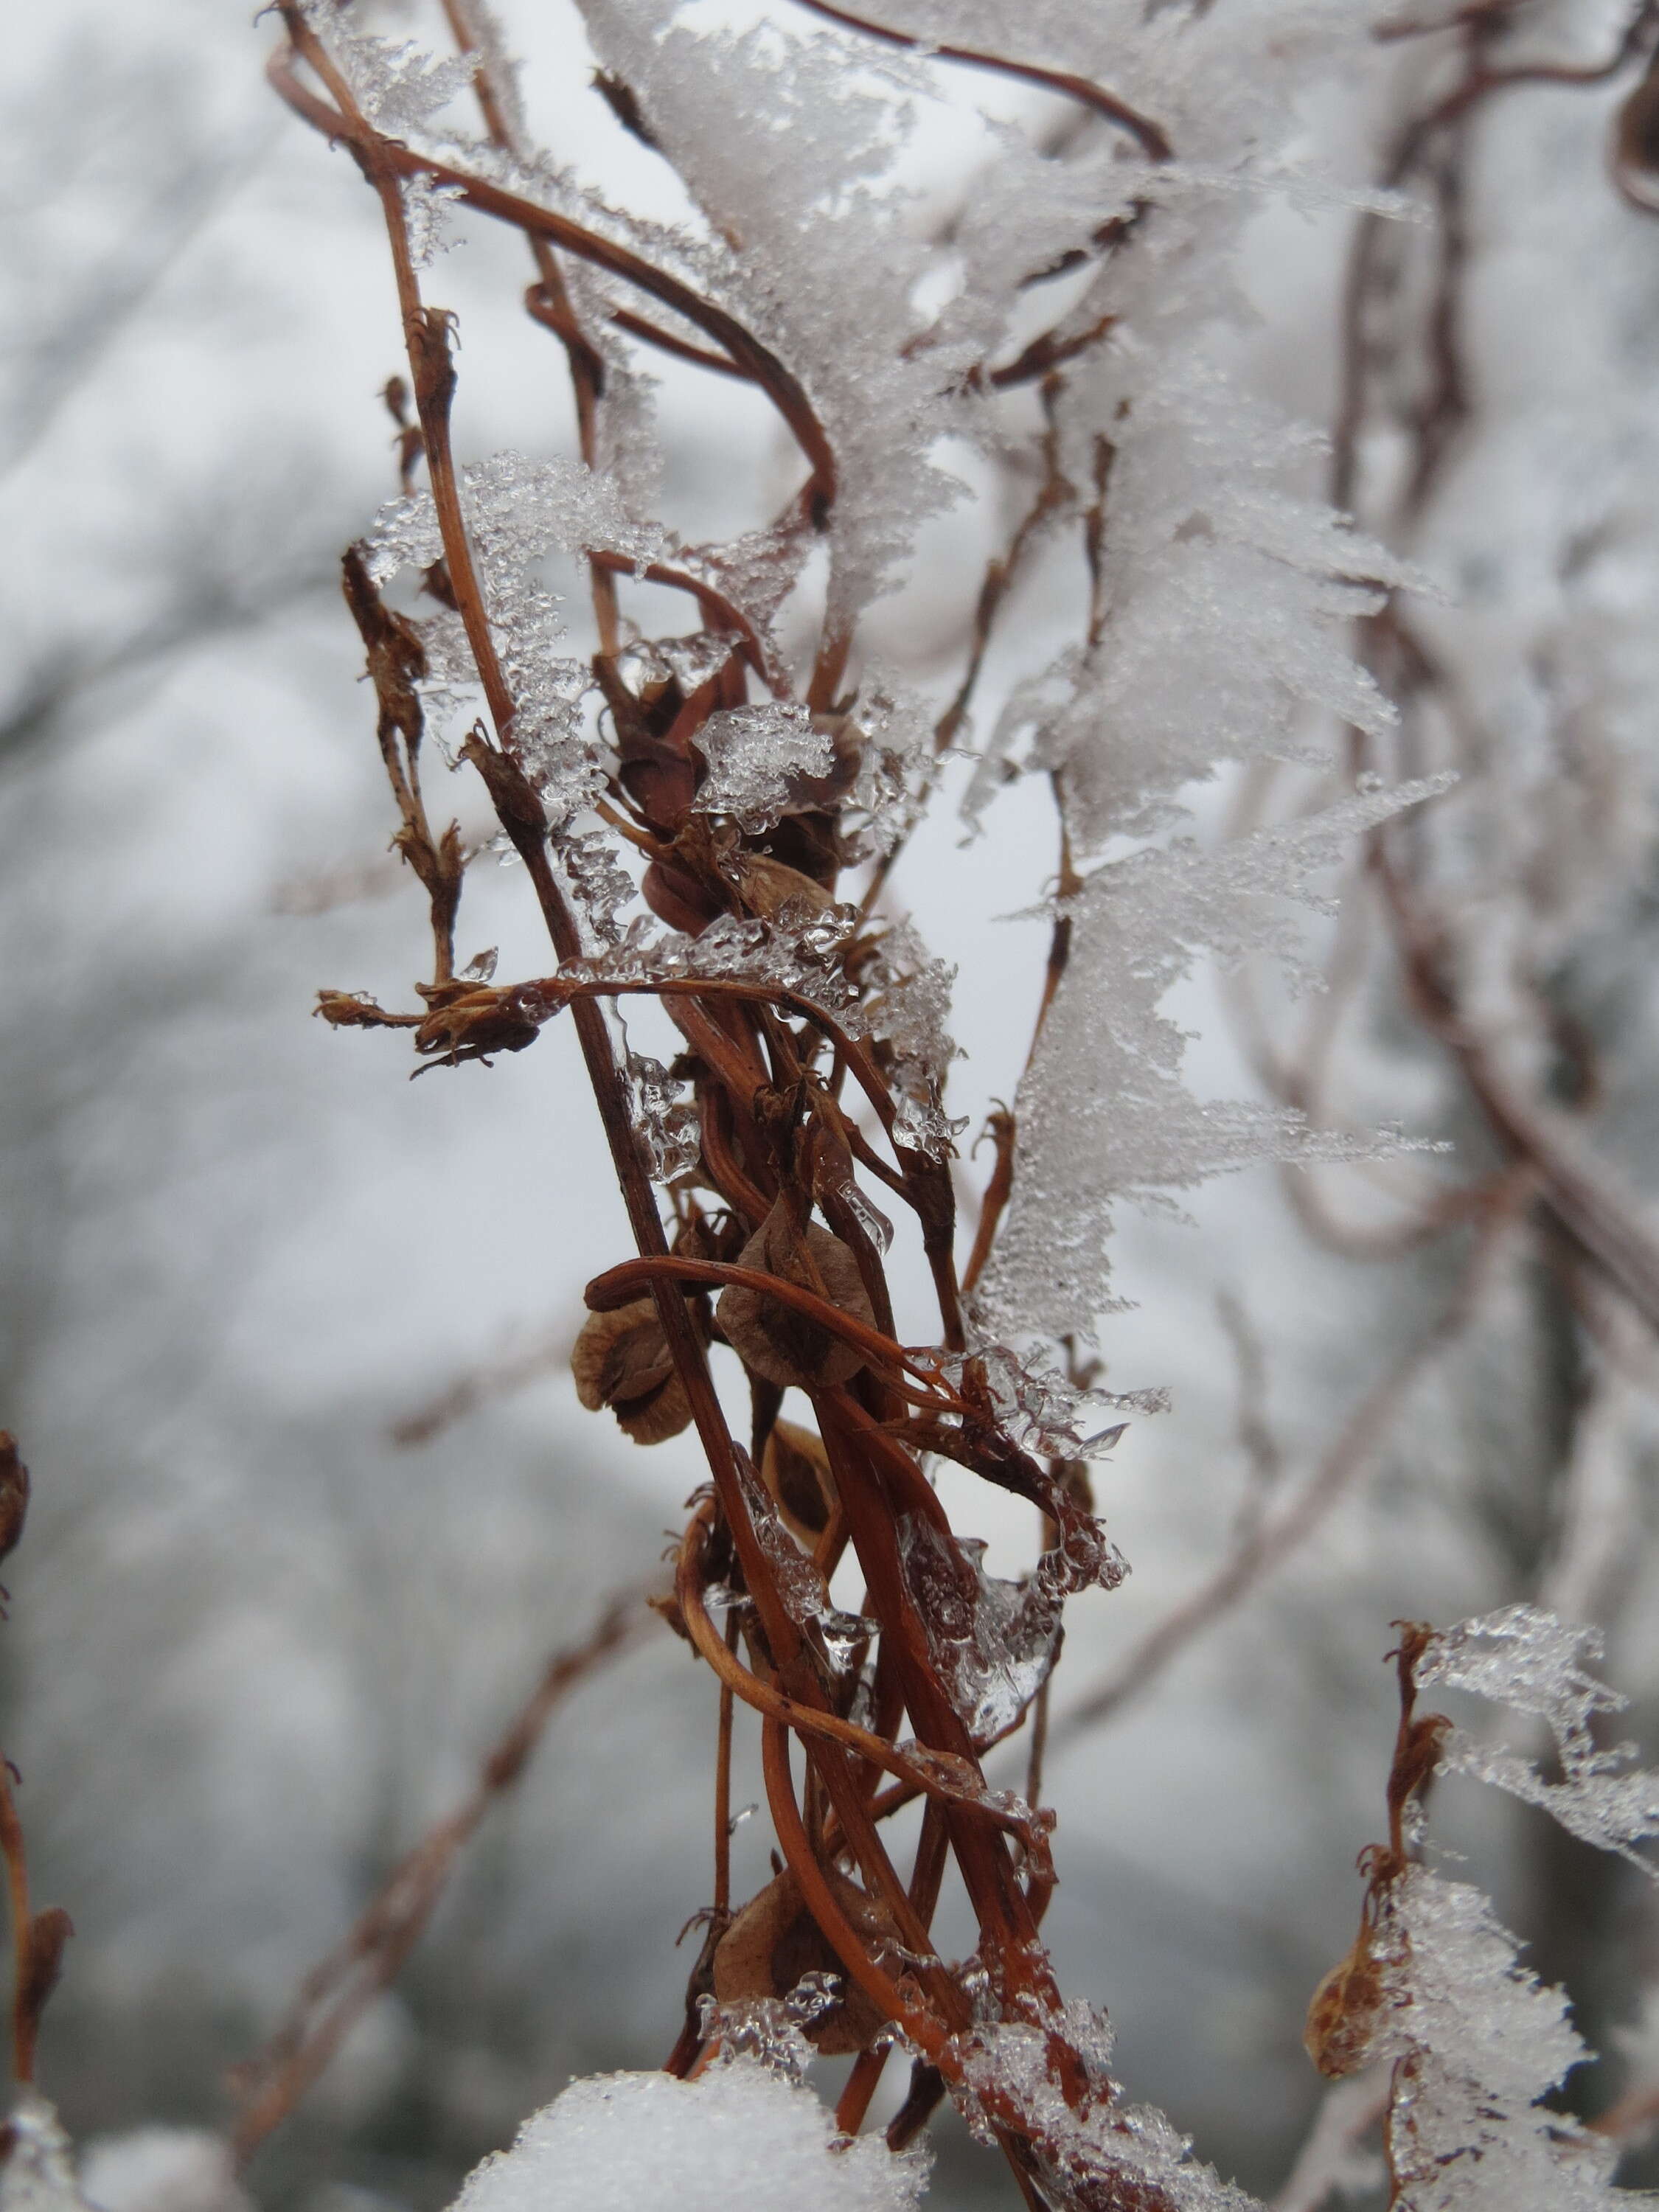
[(621, 1360), (795, 1469), (774, 1943), (774, 1339)]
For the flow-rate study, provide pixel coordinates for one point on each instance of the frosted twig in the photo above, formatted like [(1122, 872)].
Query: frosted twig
[(1146, 134), (784, 390)]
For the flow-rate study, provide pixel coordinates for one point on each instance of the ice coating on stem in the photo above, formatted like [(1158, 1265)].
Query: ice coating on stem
[(901, 999), (1042, 1413), (758, 759), (663, 1117), (427, 207), (1091, 2149), (994, 1642), (742, 2134), (838, 1640), (1478, 2042), (518, 513)]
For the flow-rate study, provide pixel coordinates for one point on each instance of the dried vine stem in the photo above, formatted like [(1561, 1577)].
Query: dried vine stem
[(802, 1306)]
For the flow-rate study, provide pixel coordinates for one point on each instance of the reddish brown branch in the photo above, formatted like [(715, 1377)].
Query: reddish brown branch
[(784, 390), (1147, 135)]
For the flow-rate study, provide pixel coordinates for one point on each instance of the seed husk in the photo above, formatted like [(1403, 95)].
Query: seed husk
[(621, 1360), (773, 1340), (775, 1942), (795, 1469)]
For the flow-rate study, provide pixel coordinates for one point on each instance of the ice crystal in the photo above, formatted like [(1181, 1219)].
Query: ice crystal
[(906, 1002), (664, 1117), (1041, 1413), (37, 2174), (760, 760), (518, 513), (1090, 2148), (597, 884), (400, 87), (893, 731), (1535, 1664), (773, 2030), (1103, 1114), (742, 2133), (994, 1642), (826, 228), (1480, 2044), (427, 206)]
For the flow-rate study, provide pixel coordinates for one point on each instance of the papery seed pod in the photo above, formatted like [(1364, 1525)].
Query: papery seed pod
[(621, 1360), (675, 896), (795, 1469), (772, 1339), (1342, 2014), (767, 886), (774, 1943)]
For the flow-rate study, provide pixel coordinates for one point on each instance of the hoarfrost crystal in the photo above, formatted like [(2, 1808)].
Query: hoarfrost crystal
[(1534, 1664)]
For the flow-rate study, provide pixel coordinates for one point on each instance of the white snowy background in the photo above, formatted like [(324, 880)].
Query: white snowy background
[(254, 1646)]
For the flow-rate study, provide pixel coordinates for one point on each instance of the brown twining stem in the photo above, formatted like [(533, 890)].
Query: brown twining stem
[(586, 365), (769, 1120), (38, 1939), (396, 659), (387, 157), (517, 807), (947, 1784), (339, 1989), (1148, 135)]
